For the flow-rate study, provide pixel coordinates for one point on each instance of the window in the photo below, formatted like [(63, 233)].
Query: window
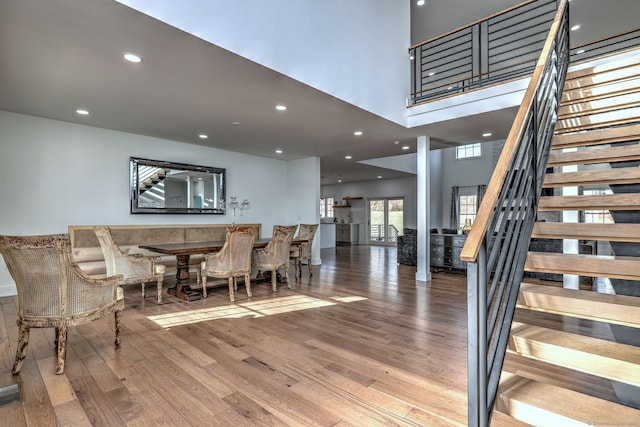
[(326, 207), (597, 216), (467, 208), (468, 151)]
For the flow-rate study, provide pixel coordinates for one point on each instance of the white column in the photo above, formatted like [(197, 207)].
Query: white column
[(424, 208), (570, 246)]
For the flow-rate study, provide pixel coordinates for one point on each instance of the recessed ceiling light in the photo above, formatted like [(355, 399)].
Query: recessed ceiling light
[(203, 136), (431, 74), (580, 51), (339, 180), (132, 57), (281, 107), (379, 176), (487, 134), (278, 151), (358, 133), (420, 2), (575, 27), (235, 123), (82, 112), (406, 147), (347, 157)]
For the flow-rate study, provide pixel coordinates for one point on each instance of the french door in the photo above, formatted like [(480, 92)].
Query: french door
[(386, 219)]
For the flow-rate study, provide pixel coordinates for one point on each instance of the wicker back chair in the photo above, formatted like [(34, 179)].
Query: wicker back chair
[(53, 292), (231, 262), (302, 251), (135, 269), (275, 255)]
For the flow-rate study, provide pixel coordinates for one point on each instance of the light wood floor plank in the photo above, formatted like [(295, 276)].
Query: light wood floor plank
[(358, 343)]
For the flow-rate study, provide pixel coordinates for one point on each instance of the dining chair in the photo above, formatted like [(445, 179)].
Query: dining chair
[(53, 292), (231, 262), (135, 269), (275, 256), (302, 252)]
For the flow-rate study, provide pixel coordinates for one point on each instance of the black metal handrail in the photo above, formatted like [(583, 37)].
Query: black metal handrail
[(497, 245), (613, 44), (501, 47)]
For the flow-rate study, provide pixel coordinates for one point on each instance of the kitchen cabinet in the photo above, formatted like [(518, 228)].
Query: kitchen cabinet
[(347, 233)]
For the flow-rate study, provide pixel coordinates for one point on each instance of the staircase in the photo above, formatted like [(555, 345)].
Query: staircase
[(150, 176), (574, 355)]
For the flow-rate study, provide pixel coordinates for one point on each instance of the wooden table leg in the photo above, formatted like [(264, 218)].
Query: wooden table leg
[(182, 289)]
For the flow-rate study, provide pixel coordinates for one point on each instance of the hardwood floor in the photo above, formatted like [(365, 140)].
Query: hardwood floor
[(360, 343)]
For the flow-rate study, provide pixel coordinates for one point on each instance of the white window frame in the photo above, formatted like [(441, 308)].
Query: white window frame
[(326, 207), (469, 151), (603, 215), (465, 193)]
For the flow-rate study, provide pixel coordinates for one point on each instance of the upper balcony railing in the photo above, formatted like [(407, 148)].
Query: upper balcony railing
[(493, 50), (613, 44)]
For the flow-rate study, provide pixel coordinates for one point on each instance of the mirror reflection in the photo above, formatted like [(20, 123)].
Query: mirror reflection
[(166, 187)]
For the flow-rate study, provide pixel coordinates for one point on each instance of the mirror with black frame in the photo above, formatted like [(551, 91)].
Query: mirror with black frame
[(177, 188)]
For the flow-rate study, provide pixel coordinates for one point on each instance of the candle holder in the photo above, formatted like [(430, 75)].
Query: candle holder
[(233, 204)]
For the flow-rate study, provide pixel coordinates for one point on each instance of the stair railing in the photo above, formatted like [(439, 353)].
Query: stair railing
[(497, 245)]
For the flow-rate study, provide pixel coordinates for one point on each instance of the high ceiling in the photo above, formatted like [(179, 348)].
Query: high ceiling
[(60, 55)]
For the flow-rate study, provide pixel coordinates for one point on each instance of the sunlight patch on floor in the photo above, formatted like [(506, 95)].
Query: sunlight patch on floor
[(352, 298), (251, 309)]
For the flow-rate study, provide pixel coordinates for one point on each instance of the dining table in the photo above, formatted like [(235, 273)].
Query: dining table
[(183, 252)]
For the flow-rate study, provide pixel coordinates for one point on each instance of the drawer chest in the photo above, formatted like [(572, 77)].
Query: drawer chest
[(445, 252)]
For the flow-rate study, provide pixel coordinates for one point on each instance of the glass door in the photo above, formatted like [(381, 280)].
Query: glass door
[(386, 218)]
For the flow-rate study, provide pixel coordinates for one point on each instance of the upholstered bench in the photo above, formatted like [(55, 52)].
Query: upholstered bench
[(88, 254)]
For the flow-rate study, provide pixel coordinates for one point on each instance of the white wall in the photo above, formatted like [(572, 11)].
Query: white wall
[(55, 174), (464, 172), (303, 201), (343, 48)]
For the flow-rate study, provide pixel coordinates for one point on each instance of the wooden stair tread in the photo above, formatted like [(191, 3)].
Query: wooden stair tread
[(605, 359), (596, 137), (499, 419), (546, 405), (595, 155), (583, 231), (629, 201), (592, 177), (609, 308), (582, 94), (599, 120), (630, 64), (617, 267), (580, 108)]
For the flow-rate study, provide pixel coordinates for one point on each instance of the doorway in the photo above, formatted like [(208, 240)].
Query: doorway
[(386, 219)]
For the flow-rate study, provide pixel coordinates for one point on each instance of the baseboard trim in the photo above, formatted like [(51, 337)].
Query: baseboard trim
[(8, 290)]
